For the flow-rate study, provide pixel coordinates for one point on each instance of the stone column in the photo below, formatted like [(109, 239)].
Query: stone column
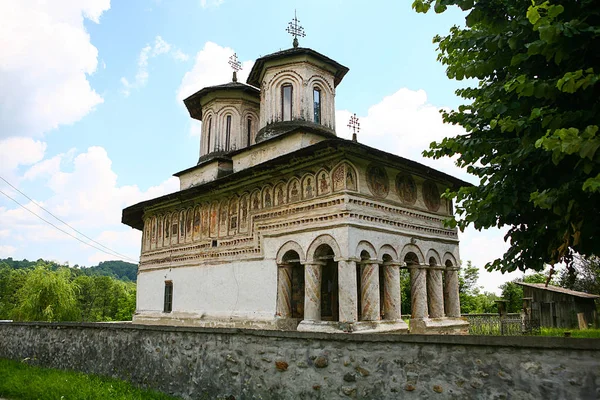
[(435, 292), (347, 290), (452, 299), (418, 291), (391, 291), (284, 291), (312, 291), (369, 287)]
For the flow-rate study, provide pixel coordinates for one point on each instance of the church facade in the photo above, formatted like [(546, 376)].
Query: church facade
[(283, 225)]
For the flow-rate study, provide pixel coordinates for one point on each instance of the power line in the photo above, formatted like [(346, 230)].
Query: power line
[(110, 252), (81, 233)]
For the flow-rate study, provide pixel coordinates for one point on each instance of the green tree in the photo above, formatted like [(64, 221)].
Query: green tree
[(583, 277), (467, 288), (513, 293), (11, 282), (47, 296), (531, 124)]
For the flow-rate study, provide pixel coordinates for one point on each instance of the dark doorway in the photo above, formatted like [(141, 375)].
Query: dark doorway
[(329, 283), (292, 259)]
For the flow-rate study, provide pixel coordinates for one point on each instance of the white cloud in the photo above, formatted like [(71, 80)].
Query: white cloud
[(6, 251), (404, 123), (85, 194), (211, 68), (180, 55), (211, 3), (45, 61), (159, 47), (19, 151)]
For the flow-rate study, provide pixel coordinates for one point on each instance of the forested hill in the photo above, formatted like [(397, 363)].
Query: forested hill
[(121, 270)]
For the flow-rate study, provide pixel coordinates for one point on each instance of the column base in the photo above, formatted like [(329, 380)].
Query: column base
[(391, 326), (383, 326), (440, 326), (324, 326)]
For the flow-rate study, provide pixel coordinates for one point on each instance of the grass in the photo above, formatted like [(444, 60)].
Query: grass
[(19, 380), (576, 333)]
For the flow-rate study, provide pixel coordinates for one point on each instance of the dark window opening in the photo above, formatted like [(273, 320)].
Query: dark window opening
[(286, 102), (214, 243), (317, 105), (208, 136), (168, 306), (228, 133), (249, 131)]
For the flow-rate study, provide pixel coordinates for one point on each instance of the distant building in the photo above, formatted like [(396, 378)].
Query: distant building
[(283, 225), (558, 307)]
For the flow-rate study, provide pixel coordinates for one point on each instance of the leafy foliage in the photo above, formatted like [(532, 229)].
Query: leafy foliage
[(49, 292), (531, 124), (116, 269), (513, 293), (472, 300), (47, 296)]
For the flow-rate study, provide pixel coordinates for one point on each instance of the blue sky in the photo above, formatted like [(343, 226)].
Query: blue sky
[(91, 118)]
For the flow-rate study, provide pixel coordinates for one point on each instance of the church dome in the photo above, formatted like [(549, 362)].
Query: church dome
[(297, 89), (229, 115)]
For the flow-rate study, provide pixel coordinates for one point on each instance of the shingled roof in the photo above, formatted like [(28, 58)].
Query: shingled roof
[(557, 289)]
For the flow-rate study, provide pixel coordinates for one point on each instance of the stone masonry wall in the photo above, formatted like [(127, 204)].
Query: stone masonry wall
[(198, 363)]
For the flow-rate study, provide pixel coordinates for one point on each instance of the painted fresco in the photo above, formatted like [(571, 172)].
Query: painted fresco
[(377, 180), (197, 222), (214, 219), (233, 215), (294, 190), (223, 220), (406, 188), (279, 194), (267, 197), (243, 221), (324, 185), (308, 188), (205, 221), (431, 196)]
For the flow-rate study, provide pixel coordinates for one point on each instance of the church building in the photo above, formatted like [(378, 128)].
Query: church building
[(283, 225)]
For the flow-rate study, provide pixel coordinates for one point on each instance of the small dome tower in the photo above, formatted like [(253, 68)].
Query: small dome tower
[(229, 115), (297, 89)]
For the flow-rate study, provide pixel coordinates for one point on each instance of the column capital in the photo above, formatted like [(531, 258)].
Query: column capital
[(394, 263), (436, 267), (369, 261), (417, 266), (320, 263), (349, 259)]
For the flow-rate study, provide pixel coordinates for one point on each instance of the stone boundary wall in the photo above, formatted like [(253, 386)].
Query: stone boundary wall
[(201, 363)]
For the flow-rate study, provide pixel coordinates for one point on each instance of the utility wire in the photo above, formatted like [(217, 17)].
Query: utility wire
[(112, 252), (82, 234)]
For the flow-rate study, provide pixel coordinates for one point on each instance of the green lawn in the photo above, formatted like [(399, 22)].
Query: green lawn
[(576, 333), (19, 380)]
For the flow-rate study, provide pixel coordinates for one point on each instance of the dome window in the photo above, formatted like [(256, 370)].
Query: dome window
[(286, 102), (317, 105)]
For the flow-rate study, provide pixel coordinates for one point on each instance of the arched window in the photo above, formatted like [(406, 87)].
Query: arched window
[(317, 104), (208, 135), (286, 102), (228, 133), (249, 131)]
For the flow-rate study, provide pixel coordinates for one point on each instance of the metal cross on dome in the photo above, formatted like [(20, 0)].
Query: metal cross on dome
[(235, 65), (295, 29), (354, 125)]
